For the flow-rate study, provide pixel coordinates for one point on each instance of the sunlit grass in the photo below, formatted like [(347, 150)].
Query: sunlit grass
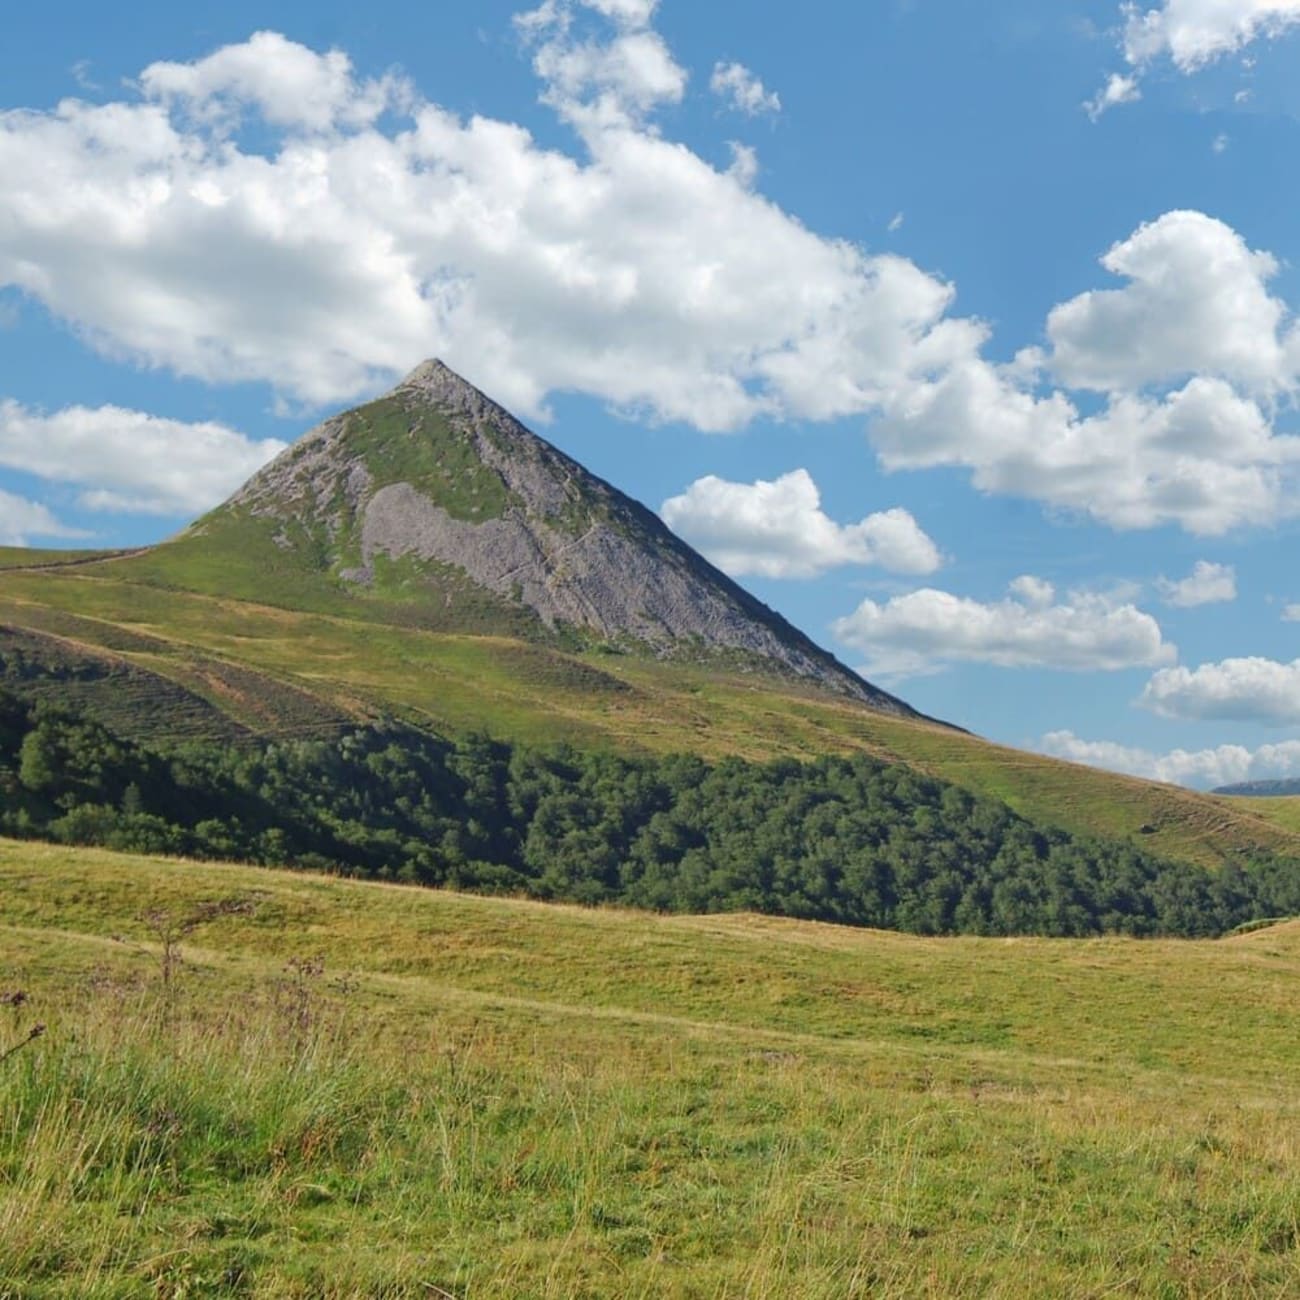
[(1281, 810), (360, 1090)]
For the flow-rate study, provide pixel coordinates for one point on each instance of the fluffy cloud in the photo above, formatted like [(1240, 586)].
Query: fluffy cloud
[(1244, 690), (928, 629), (744, 164), (558, 14), (1119, 89), (1202, 768), (598, 82), (129, 461), (349, 228), (1201, 454), (288, 84), (1207, 584), (1192, 34), (327, 250), (1196, 32), (779, 530), (21, 520), (742, 90), (1196, 303), (1291, 614), (1202, 457), (1037, 593)]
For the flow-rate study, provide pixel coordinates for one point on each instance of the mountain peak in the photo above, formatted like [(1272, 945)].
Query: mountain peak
[(434, 384), (436, 380)]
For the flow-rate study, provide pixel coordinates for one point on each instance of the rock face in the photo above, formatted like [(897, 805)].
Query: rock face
[(437, 477)]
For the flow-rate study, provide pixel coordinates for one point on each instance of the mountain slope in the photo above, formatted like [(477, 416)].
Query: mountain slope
[(302, 607), (433, 506), (349, 670)]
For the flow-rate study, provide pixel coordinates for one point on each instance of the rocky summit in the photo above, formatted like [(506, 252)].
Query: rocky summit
[(436, 499)]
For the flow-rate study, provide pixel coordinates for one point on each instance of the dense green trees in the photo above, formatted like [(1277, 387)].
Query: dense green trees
[(841, 839)]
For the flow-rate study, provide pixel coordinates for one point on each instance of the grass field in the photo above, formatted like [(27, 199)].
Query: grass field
[(1282, 810), (359, 1090), (281, 671)]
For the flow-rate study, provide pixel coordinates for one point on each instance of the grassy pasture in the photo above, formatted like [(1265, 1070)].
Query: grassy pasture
[(1281, 810), (361, 1090)]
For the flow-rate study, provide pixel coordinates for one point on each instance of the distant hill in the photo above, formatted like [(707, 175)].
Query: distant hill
[(1262, 789)]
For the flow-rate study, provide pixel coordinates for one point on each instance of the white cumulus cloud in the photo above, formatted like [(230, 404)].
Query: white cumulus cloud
[(742, 90), (288, 84), (21, 520), (330, 249), (1207, 584), (744, 164), (1241, 690), (1196, 303), (1191, 34), (1202, 769), (1037, 593), (351, 227), (1194, 33), (1203, 457), (598, 81), (129, 461), (779, 530), (1190, 356), (926, 630), (1119, 89)]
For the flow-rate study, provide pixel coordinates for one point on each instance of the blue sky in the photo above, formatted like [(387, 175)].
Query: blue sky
[(963, 335)]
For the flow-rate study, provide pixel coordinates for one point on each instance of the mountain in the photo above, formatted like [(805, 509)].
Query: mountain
[(426, 559), (437, 503)]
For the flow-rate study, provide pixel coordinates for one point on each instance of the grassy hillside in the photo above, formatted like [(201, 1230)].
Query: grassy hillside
[(279, 671), (1280, 810), (348, 1090)]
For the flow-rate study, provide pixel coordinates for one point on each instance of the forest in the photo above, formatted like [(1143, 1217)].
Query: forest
[(843, 839)]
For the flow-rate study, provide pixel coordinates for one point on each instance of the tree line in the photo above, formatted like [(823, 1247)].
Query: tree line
[(846, 839)]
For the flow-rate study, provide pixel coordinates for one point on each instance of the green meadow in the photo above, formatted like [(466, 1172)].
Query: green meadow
[(257, 1083)]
